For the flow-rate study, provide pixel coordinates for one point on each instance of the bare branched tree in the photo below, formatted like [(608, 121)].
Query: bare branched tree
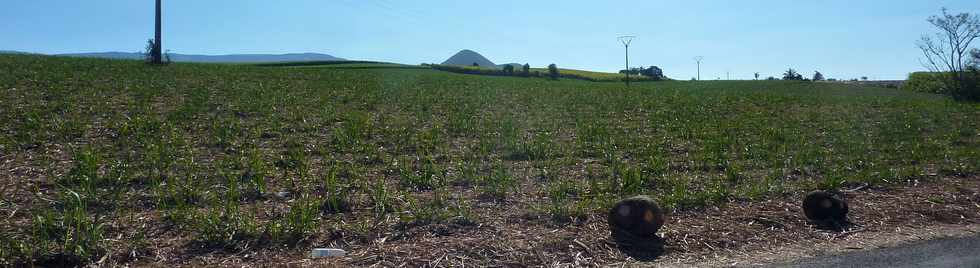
[(946, 52)]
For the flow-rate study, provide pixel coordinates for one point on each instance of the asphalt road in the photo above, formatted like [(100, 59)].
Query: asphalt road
[(954, 252)]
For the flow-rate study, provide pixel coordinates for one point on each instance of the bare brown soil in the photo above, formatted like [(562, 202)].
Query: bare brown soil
[(739, 233)]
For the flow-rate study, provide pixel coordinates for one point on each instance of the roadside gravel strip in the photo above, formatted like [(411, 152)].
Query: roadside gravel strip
[(953, 252)]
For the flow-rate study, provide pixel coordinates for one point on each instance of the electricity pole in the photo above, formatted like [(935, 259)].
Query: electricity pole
[(699, 59), (157, 53), (626, 40)]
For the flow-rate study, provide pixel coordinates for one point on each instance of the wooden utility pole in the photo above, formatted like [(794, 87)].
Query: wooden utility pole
[(157, 53)]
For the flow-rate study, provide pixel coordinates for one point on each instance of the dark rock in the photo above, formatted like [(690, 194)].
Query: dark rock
[(637, 216), (826, 209)]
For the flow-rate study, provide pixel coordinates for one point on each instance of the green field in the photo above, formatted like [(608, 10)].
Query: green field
[(105, 159), (541, 73), (342, 65), (599, 76)]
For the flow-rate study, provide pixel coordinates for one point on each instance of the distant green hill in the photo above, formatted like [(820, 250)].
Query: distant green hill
[(468, 57)]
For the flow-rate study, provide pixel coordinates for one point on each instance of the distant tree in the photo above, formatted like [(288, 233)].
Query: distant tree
[(792, 75), (633, 71), (148, 55), (947, 52), (509, 69), (771, 78), (817, 76), (553, 71), (864, 78), (526, 70), (694, 79), (654, 73), (476, 64), (756, 76)]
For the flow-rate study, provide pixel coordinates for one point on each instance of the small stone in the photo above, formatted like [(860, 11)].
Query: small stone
[(327, 253)]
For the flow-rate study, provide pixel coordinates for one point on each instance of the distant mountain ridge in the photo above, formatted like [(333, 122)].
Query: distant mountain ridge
[(12, 52), (231, 58)]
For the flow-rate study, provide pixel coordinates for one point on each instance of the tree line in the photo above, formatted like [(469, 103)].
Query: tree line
[(653, 72)]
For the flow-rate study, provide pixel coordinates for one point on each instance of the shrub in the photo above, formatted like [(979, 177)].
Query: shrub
[(148, 51), (969, 88), (926, 82)]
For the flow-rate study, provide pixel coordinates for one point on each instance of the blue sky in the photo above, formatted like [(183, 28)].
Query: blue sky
[(842, 39)]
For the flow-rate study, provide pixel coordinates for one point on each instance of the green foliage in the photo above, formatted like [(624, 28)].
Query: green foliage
[(553, 71), (926, 82), (423, 174), (475, 70), (337, 194), (423, 213), (498, 184), (560, 193), (298, 222), (223, 226), (538, 147), (509, 69), (946, 83), (382, 199), (84, 176), (67, 233), (968, 88), (653, 72), (792, 75), (255, 174)]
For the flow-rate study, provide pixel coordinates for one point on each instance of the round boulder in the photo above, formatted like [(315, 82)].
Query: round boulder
[(824, 207), (639, 216)]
